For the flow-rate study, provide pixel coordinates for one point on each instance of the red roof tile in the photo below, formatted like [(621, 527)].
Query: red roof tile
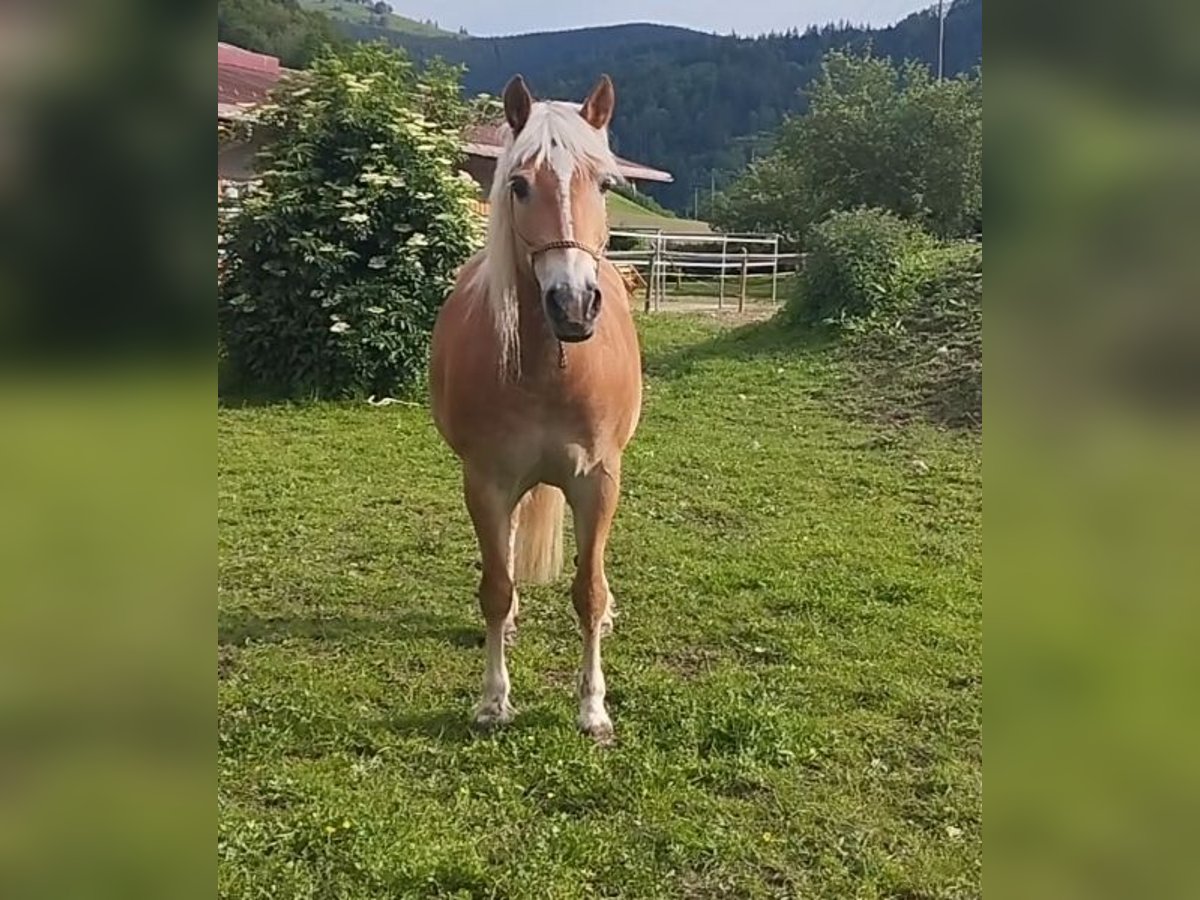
[(245, 78)]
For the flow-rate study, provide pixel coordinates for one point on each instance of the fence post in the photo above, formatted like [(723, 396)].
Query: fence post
[(650, 282), (721, 293), (661, 284), (745, 276), (775, 274)]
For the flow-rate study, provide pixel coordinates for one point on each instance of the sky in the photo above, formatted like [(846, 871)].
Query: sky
[(488, 17)]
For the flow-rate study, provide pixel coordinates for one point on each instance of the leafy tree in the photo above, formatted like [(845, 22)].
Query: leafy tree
[(339, 260), (875, 135), (755, 202)]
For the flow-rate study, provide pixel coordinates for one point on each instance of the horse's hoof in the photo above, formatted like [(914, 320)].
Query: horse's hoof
[(492, 714), (598, 727)]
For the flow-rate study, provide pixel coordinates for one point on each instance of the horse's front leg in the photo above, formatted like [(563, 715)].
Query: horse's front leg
[(491, 507), (593, 499)]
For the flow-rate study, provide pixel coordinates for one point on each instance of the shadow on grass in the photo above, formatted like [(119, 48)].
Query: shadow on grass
[(455, 725), (773, 338), (237, 628), (238, 393)]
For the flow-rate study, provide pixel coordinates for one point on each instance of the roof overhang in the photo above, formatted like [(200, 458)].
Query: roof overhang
[(630, 170)]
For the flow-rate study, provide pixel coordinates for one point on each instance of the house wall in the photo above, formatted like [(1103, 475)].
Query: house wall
[(235, 160), (481, 168)]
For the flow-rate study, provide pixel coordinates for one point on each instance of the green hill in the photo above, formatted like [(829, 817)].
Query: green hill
[(353, 12), (625, 213)]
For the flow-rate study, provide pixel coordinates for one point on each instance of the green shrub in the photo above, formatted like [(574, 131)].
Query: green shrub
[(340, 258), (861, 263), (926, 358)]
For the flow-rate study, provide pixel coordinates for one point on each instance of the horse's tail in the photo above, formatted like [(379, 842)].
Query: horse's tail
[(538, 549)]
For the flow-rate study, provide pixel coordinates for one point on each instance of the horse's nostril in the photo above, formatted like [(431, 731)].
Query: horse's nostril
[(595, 304)]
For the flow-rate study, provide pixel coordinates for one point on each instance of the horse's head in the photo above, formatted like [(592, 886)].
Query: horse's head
[(556, 172)]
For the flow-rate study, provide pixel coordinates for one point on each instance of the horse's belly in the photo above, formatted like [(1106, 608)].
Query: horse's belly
[(564, 459), (524, 449)]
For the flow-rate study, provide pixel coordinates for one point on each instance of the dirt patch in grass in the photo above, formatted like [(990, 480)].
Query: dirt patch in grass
[(690, 662)]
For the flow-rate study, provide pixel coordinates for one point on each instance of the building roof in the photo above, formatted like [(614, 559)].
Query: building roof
[(488, 141), (245, 79)]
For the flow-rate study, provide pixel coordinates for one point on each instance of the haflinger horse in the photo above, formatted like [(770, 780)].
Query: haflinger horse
[(536, 380)]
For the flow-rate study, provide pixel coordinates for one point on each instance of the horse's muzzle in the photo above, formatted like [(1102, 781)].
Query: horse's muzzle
[(572, 311)]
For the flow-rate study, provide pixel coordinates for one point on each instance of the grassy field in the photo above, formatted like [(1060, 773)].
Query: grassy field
[(757, 287), (625, 213), (795, 675)]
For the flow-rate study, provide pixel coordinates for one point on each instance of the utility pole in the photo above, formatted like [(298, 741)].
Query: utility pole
[(712, 186), (941, 39), (696, 203)]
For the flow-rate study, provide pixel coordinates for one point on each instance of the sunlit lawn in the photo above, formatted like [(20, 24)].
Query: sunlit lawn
[(795, 674)]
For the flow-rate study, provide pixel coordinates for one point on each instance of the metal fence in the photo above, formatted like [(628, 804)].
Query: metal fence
[(730, 260)]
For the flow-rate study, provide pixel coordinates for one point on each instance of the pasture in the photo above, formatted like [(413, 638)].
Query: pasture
[(795, 675)]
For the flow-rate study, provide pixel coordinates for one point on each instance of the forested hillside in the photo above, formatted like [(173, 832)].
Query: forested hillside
[(699, 105)]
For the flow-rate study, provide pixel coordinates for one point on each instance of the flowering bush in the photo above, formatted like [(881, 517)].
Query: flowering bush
[(337, 261)]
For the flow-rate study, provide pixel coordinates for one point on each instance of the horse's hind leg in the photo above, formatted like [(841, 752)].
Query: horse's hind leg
[(491, 509), (510, 621), (610, 613), (593, 499)]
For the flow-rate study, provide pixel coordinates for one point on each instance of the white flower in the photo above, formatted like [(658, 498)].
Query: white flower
[(339, 327)]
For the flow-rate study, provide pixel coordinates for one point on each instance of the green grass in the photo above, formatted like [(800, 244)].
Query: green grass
[(346, 11), (757, 287), (795, 674), (625, 213)]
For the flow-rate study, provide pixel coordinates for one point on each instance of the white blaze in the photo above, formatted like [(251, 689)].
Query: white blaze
[(566, 266)]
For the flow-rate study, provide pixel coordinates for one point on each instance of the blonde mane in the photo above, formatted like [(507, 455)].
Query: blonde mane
[(552, 126)]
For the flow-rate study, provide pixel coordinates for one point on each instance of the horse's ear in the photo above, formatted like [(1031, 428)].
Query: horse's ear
[(598, 107), (517, 103)]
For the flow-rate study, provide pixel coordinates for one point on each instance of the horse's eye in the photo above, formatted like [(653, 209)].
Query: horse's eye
[(520, 187)]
